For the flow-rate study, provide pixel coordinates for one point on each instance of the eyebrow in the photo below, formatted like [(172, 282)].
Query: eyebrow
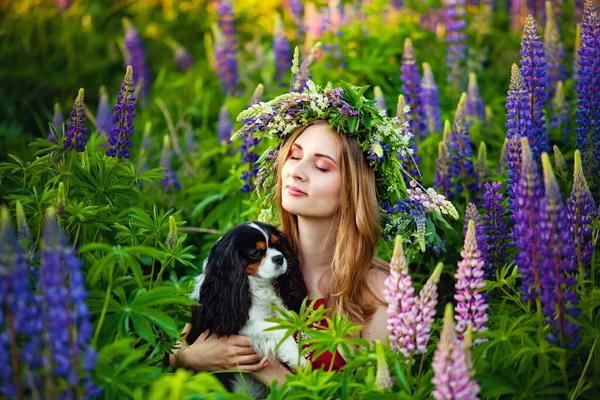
[(317, 154)]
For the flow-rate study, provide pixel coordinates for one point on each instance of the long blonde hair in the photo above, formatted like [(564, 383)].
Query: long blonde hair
[(358, 229)]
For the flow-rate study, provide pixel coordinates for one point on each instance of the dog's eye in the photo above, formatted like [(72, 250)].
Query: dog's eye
[(257, 253)]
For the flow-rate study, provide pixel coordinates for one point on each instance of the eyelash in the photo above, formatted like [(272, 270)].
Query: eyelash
[(319, 168)]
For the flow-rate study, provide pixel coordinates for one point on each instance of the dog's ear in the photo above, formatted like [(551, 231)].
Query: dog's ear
[(225, 297), (291, 286)]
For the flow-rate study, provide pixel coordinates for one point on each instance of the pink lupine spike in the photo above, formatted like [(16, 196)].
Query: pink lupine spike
[(426, 303)]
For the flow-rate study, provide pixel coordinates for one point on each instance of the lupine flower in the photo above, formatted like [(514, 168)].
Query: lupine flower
[(302, 74), (495, 228), (462, 170), (475, 107), (248, 145), (559, 118), (63, 5), (518, 14), (588, 99), (426, 303), (577, 10), (57, 121), (575, 65), (402, 308), (431, 200), (281, 50), (380, 99), (64, 312), (297, 10), (559, 159), (470, 307), (581, 211), (225, 126), (182, 57), (104, 122), (472, 214), (122, 130), (226, 47), (170, 180), (442, 181), (481, 167), (452, 368), (377, 152), (75, 134), (383, 380), (430, 100), (533, 71), (555, 52), (456, 39), (559, 298), (518, 125), (136, 57), (526, 217), (410, 164), (411, 86)]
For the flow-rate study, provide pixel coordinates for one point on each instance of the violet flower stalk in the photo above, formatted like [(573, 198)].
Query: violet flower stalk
[(588, 97), (471, 305), (430, 100), (57, 121), (456, 39), (296, 8), (402, 307), (518, 14), (410, 163), (462, 170), (525, 234), (411, 86), (224, 125), (75, 134), (226, 50), (281, 50), (494, 221), (533, 71), (475, 107), (452, 368), (581, 212), (248, 145), (182, 57), (559, 297), (555, 53), (136, 57), (104, 122), (170, 180), (122, 130)]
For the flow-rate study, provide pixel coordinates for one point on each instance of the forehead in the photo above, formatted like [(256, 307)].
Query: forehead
[(258, 236), (318, 138)]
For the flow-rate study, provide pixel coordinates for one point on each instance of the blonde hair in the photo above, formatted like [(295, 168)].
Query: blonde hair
[(356, 226)]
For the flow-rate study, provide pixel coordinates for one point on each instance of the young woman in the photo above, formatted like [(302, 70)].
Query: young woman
[(327, 190)]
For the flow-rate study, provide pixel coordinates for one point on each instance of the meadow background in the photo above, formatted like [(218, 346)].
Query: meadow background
[(98, 252)]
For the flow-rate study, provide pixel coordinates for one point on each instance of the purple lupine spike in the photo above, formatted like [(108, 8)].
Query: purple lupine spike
[(472, 214), (588, 97), (430, 100), (526, 206), (226, 47), (63, 5), (442, 182), (181, 55), (64, 311), (75, 134), (559, 298), (411, 86), (452, 369), (104, 122), (402, 308), (426, 303), (462, 170), (456, 39), (296, 8), (224, 125), (136, 57), (57, 121), (475, 107), (555, 53), (410, 164), (281, 50), (495, 228), (518, 14), (518, 125), (170, 180), (122, 130), (471, 305), (581, 211), (248, 145), (577, 10), (378, 96), (559, 118), (533, 71)]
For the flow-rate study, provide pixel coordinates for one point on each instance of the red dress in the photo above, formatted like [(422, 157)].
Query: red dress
[(324, 360)]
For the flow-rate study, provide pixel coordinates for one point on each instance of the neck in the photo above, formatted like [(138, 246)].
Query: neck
[(315, 243)]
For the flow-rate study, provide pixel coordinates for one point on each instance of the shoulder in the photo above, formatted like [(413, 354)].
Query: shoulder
[(376, 276)]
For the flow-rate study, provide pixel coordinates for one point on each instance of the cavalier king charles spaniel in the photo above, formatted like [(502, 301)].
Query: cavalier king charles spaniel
[(248, 270)]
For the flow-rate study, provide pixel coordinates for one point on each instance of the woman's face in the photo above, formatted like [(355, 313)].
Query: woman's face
[(310, 178)]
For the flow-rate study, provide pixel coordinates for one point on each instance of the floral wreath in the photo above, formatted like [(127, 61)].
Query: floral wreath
[(385, 142)]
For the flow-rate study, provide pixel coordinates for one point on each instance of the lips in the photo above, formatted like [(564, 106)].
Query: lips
[(295, 191)]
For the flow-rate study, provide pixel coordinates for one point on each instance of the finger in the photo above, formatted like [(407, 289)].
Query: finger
[(252, 367), (249, 359), (240, 340), (244, 351)]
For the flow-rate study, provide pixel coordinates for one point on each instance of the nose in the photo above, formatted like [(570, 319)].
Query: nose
[(278, 260), (297, 171)]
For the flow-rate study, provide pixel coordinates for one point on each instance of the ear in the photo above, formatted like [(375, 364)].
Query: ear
[(291, 286), (225, 297)]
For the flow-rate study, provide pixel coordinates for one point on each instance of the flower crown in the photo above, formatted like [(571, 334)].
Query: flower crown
[(384, 141)]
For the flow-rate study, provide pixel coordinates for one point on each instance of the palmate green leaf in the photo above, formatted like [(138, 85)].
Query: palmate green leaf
[(185, 384), (156, 223), (161, 295)]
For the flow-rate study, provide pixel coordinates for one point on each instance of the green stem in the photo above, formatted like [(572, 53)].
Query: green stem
[(585, 368), (153, 262), (421, 365), (160, 273), (538, 303), (77, 235), (104, 308), (73, 155), (96, 235)]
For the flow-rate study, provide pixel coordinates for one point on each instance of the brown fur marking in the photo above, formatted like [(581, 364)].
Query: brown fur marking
[(252, 269)]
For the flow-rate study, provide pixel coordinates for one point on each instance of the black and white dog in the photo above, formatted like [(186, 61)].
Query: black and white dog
[(248, 270)]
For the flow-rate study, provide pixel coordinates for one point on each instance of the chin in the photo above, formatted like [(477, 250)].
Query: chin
[(248, 271)]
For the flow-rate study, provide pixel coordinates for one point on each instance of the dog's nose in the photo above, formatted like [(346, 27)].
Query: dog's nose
[(278, 259)]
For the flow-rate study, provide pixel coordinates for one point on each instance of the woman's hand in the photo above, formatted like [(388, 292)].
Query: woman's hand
[(216, 354)]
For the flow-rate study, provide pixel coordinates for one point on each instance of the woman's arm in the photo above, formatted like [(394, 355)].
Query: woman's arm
[(273, 371)]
